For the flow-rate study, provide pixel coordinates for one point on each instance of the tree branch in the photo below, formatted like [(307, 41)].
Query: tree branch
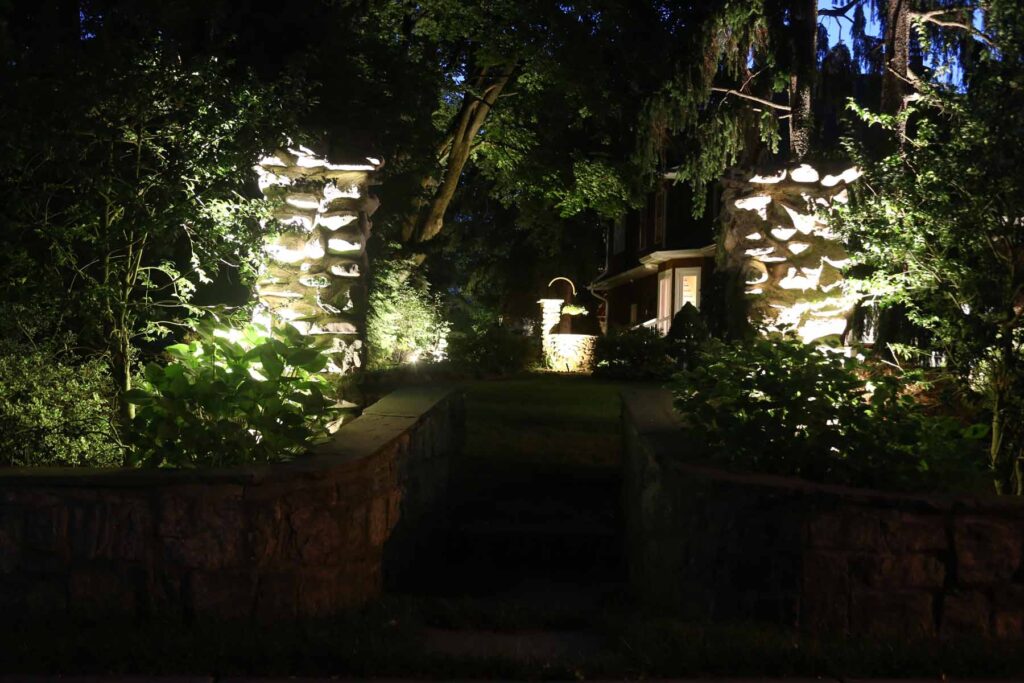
[(839, 11), (428, 221), (752, 98), (932, 17)]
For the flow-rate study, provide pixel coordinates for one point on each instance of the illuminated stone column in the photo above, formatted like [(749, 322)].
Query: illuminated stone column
[(550, 315), (314, 278), (790, 260)]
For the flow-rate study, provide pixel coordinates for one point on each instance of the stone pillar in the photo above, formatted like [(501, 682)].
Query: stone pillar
[(790, 260), (314, 278), (550, 315)]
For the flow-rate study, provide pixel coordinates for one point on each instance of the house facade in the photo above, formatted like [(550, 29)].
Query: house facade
[(659, 258)]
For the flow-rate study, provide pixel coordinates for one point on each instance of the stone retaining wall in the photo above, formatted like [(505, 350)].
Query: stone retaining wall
[(707, 544), (301, 539)]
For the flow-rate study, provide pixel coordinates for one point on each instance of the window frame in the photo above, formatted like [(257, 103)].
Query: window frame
[(674, 279)]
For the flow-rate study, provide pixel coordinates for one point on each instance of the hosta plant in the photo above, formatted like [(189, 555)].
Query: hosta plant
[(232, 396)]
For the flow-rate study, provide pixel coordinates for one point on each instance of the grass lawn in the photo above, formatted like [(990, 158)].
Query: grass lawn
[(544, 419)]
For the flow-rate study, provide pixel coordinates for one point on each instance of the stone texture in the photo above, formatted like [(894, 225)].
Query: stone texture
[(708, 544), (786, 254), (826, 585), (988, 550), (898, 571), (892, 613), (316, 262), (301, 539), (966, 613), (564, 352)]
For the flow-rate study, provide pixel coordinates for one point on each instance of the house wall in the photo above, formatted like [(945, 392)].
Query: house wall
[(643, 292), (682, 230)]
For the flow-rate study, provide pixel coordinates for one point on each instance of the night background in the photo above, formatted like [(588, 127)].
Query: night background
[(518, 339)]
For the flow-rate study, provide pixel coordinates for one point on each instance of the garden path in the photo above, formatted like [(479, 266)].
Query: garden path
[(533, 562)]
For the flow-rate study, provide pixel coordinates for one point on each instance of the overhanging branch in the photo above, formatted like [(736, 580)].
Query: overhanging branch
[(752, 98), (839, 11), (934, 17)]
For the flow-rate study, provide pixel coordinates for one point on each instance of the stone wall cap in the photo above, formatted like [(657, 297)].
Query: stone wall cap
[(649, 409), (411, 401)]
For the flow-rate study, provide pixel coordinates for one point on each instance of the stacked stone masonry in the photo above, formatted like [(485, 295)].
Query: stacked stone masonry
[(302, 539), (564, 352), (709, 544), (317, 260), (774, 236)]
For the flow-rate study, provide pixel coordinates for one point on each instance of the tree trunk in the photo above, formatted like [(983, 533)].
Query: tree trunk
[(478, 102), (897, 56), (123, 373), (804, 24)]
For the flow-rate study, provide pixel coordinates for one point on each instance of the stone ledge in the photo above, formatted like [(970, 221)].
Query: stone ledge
[(410, 402)]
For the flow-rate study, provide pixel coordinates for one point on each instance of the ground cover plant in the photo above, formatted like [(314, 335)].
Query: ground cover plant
[(774, 404), (231, 396)]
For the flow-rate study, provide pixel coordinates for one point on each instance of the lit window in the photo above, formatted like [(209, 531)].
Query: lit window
[(687, 287), (664, 301), (619, 236)]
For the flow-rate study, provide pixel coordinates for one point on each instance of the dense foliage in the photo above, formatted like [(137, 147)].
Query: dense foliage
[(643, 354), (774, 404), (55, 408), (936, 229), (405, 322), (126, 183), (492, 351), (232, 396), (640, 354)]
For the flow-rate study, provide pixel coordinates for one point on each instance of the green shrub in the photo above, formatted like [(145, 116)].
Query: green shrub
[(232, 396), (55, 409), (643, 354), (404, 321), (774, 404), (637, 354), (492, 350)]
